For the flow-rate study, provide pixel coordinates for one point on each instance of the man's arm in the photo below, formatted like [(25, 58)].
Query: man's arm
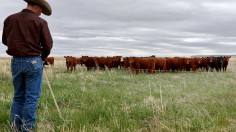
[(4, 37), (46, 41)]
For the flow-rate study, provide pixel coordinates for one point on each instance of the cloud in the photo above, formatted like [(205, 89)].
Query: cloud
[(138, 28)]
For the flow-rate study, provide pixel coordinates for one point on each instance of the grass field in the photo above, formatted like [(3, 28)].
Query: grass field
[(116, 100)]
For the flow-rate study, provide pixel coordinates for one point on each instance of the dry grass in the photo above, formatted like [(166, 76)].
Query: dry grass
[(119, 101)]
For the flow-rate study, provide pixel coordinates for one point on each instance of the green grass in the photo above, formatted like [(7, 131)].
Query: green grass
[(119, 101)]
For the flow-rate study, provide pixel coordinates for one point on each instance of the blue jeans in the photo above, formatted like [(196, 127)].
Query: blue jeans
[(27, 81)]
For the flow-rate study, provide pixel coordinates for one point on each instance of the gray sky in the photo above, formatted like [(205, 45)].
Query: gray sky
[(137, 27)]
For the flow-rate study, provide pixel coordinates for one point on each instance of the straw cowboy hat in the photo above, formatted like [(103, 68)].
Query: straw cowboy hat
[(44, 4)]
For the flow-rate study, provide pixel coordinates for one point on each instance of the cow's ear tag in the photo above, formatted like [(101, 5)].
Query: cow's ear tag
[(34, 62)]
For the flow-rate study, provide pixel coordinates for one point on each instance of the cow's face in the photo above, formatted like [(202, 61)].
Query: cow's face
[(211, 59), (226, 58), (131, 60), (187, 60), (67, 58), (83, 59), (198, 60)]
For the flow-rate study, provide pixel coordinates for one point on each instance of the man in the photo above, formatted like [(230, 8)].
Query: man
[(29, 41)]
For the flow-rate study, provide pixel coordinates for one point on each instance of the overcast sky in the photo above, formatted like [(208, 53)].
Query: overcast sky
[(137, 27)]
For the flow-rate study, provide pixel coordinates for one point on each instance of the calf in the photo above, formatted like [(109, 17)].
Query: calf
[(205, 62), (194, 63), (137, 64), (88, 62), (216, 62), (71, 63), (225, 62), (49, 61), (160, 64)]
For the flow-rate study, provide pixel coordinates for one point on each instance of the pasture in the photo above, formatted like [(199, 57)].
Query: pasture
[(117, 100)]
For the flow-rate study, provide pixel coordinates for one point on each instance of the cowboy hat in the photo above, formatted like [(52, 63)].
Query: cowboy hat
[(43, 4)]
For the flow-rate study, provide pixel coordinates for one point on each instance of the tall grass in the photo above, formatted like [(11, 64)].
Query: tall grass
[(119, 101)]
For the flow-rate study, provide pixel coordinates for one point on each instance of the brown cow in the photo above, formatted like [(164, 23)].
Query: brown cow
[(126, 62), (183, 63), (116, 61), (49, 61), (205, 62), (172, 64), (103, 63), (79, 61), (88, 62), (225, 62), (137, 63), (160, 64), (71, 62), (194, 63)]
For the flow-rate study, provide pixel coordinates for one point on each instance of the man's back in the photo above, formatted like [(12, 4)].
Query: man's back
[(25, 34)]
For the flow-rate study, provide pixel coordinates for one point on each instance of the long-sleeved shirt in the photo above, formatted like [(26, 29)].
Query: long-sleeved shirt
[(26, 34)]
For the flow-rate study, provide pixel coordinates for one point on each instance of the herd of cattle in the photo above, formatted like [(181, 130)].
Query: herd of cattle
[(150, 64)]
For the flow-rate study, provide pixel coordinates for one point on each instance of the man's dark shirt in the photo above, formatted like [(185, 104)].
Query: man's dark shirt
[(26, 34)]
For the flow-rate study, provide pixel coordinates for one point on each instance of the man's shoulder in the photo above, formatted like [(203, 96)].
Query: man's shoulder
[(12, 15), (41, 19)]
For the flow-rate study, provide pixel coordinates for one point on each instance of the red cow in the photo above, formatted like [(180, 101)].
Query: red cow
[(172, 64), (205, 62), (116, 61), (88, 62), (137, 64), (183, 63), (103, 63), (126, 62), (71, 62), (49, 61), (160, 64), (225, 62), (79, 61), (194, 63)]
